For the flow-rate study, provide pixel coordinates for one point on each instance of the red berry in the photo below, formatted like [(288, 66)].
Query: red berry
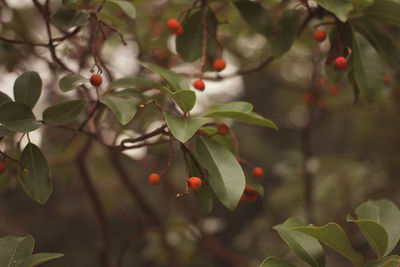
[(2, 167), (340, 63), (333, 90), (219, 64), (223, 129), (199, 85), (194, 183), (388, 79), (320, 35), (179, 31), (250, 194), (154, 179), (174, 26), (307, 98), (258, 172), (96, 80)]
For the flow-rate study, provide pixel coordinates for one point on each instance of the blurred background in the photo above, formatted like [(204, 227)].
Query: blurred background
[(346, 153)]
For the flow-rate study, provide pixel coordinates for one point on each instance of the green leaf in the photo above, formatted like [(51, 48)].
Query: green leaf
[(13, 249), (387, 214), (184, 128), (68, 17), (37, 182), (340, 8), (123, 108), (375, 234), (368, 68), (71, 82), (384, 11), (18, 117), (256, 16), (176, 81), (286, 28), (5, 132), (126, 6), (185, 99), (38, 258), (189, 44), (275, 262), (333, 235), (27, 88), (203, 194), (128, 92), (4, 98), (362, 3), (133, 82), (226, 175), (64, 113), (385, 45), (240, 111), (389, 261), (305, 246)]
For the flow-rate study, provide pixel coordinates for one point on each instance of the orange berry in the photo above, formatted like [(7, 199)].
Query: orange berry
[(179, 31), (194, 183), (173, 25), (333, 90), (250, 194), (2, 167), (154, 179), (307, 98), (223, 129), (320, 35), (96, 80), (258, 172), (340, 63), (199, 85), (219, 64)]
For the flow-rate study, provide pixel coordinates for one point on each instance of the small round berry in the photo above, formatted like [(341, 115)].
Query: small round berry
[(199, 85), (2, 167), (340, 63), (173, 25), (333, 90), (307, 98), (320, 35), (223, 129), (194, 183), (219, 64), (179, 31), (258, 172), (250, 194), (96, 80), (154, 179)]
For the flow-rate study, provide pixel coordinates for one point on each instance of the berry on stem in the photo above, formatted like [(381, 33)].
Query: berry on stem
[(154, 179), (96, 80), (258, 172), (199, 85), (174, 26), (194, 183), (223, 129), (219, 64), (2, 167), (250, 195), (320, 35), (340, 63)]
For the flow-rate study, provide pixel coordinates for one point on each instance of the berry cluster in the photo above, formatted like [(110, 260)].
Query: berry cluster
[(340, 62)]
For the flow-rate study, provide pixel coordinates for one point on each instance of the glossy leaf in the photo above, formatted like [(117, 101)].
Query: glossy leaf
[(375, 234), (124, 108), (5, 132), (37, 181), (18, 117), (256, 16), (333, 235), (362, 3), (13, 249), (4, 98), (189, 44), (184, 128), (128, 92), (71, 82), (389, 261), (226, 140), (384, 11), (305, 246), (286, 28), (367, 67), (64, 113), (226, 175), (185, 99), (176, 81), (38, 258), (126, 6), (133, 82), (275, 262), (340, 8), (68, 17), (240, 111), (27, 88), (387, 214)]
